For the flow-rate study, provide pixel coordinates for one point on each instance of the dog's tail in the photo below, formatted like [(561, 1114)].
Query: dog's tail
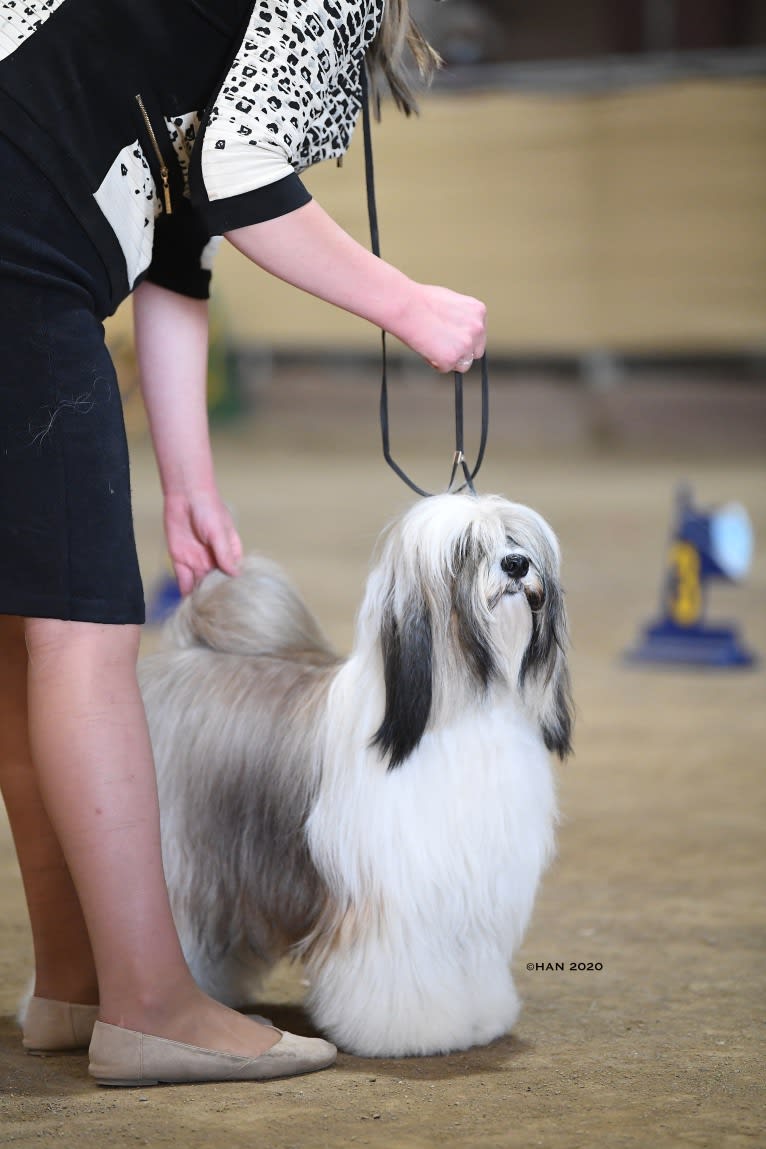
[(257, 613)]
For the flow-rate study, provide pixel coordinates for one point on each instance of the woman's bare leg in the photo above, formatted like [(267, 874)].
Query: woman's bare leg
[(64, 967), (90, 744)]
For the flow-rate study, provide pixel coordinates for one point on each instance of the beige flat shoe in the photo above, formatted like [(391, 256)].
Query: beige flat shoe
[(57, 1026), (125, 1057)]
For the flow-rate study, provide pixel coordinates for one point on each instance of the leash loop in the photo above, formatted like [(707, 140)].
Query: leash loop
[(459, 459)]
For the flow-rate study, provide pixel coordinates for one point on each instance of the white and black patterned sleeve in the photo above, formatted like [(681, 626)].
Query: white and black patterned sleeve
[(290, 97)]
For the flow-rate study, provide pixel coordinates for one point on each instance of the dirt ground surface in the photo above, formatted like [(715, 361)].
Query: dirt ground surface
[(659, 880)]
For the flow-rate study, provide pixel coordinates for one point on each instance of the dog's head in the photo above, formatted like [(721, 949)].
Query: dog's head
[(464, 601)]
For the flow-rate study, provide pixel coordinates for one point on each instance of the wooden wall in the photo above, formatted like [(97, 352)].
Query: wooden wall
[(631, 221)]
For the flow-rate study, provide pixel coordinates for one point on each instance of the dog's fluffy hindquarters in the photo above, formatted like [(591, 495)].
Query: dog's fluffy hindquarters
[(387, 817)]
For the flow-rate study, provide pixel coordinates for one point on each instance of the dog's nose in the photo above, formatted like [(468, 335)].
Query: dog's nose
[(515, 566)]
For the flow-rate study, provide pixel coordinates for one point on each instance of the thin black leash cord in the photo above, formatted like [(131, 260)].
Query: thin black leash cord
[(459, 457)]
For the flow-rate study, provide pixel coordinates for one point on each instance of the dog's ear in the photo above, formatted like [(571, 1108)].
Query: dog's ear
[(544, 674), (556, 720), (407, 648)]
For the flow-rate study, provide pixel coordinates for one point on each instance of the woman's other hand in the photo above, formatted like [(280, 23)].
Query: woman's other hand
[(201, 536)]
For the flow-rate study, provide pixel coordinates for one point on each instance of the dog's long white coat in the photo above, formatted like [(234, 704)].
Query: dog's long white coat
[(405, 890), (438, 867)]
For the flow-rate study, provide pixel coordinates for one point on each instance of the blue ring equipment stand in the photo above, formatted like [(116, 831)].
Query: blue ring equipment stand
[(705, 545)]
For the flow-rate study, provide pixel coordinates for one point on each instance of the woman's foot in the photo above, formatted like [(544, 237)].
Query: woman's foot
[(193, 1018), (50, 1026), (124, 1057)]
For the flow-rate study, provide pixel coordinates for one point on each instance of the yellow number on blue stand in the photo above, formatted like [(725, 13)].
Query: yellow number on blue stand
[(684, 603)]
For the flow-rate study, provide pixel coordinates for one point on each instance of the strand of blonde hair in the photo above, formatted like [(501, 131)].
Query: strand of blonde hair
[(398, 42)]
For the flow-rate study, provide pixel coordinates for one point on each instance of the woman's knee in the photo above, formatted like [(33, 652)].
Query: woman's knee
[(50, 640)]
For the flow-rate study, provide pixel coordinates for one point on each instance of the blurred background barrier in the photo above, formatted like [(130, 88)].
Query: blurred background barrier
[(630, 220), (596, 173)]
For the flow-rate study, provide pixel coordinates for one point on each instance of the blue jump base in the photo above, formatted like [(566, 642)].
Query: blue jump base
[(665, 643)]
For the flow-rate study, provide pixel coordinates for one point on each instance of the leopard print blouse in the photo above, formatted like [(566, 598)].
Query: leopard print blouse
[(293, 86)]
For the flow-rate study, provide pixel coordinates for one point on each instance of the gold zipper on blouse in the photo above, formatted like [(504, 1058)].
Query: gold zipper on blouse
[(164, 173)]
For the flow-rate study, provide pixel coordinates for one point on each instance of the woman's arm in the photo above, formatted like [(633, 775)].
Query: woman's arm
[(171, 334), (309, 250)]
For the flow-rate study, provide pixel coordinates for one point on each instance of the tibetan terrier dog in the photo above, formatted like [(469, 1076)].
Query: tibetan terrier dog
[(384, 817)]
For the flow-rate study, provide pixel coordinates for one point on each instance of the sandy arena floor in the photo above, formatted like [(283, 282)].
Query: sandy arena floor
[(660, 873)]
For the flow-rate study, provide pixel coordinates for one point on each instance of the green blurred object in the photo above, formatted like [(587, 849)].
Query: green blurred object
[(224, 396)]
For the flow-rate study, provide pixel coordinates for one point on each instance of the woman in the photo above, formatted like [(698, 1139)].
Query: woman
[(130, 134)]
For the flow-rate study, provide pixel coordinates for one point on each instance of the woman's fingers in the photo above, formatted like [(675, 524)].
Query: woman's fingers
[(447, 329), (201, 537)]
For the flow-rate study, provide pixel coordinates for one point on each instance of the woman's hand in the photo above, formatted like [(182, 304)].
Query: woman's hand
[(447, 329), (201, 536)]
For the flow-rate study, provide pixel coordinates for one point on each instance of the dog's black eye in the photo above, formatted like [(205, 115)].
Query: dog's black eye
[(515, 566)]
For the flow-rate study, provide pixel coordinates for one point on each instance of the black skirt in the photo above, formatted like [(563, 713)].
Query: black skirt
[(67, 547)]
